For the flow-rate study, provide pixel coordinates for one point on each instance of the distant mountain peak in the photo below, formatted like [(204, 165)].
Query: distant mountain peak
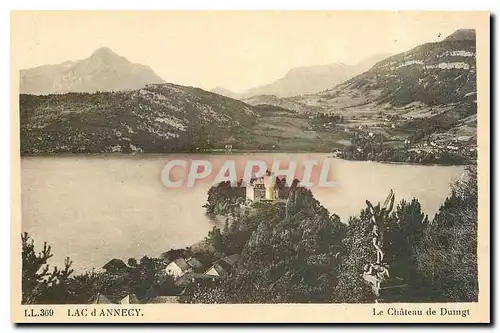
[(103, 50), (321, 70), (104, 70), (313, 79), (462, 34), (225, 92), (432, 74), (219, 88), (105, 54)]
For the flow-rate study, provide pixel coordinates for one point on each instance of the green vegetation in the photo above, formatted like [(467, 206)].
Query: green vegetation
[(294, 252), (377, 147), (156, 119), (42, 286), (163, 119), (282, 259), (224, 199), (326, 120), (312, 257), (39, 284), (386, 153), (448, 257), (401, 83), (418, 95)]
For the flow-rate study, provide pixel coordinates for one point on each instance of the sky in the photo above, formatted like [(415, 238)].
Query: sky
[(235, 50)]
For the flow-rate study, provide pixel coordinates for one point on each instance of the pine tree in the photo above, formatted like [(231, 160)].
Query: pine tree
[(39, 284)]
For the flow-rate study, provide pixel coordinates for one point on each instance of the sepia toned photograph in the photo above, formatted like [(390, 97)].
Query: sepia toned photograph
[(315, 158)]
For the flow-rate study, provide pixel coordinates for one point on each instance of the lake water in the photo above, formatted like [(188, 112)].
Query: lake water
[(95, 208)]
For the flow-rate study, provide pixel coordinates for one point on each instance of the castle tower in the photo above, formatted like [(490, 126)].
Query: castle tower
[(270, 185)]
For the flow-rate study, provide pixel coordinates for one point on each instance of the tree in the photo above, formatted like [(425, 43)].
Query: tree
[(224, 198), (146, 278), (58, 291), (83, 288), (357, 252), (214, 240), (173, 254), (132, 262), (284, 259), (448, 255), (405, 232)]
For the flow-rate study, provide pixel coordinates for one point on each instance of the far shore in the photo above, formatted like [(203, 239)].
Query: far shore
[(180, 152), (223, 152)]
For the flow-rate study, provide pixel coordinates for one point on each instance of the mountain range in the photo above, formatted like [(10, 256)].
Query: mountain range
[(104, 70), (433, 74), (307, 79), (156, 118)]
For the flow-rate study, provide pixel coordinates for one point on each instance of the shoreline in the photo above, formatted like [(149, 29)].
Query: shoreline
[(212, 152), (219, 152), (405, 163)]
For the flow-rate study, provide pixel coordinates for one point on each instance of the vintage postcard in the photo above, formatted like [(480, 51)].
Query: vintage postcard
[(250, 166)]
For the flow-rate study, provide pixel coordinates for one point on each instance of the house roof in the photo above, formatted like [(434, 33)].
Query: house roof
[(115, 264), (186, 264), (194, 263), (232, 259), (228, 263), (218, 268), (101, 299)]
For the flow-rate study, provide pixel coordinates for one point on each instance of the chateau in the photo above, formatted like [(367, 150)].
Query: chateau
[(267, 188)]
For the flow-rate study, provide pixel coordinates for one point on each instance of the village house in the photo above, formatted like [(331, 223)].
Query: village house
[(181, 266), (216, 270), (115, 266)]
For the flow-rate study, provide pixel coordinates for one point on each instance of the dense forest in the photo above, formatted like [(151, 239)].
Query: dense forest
[(293, 252)]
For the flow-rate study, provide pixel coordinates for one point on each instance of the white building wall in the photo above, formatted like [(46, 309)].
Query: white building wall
[(269, 185), (250, 193), (174, 270)]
